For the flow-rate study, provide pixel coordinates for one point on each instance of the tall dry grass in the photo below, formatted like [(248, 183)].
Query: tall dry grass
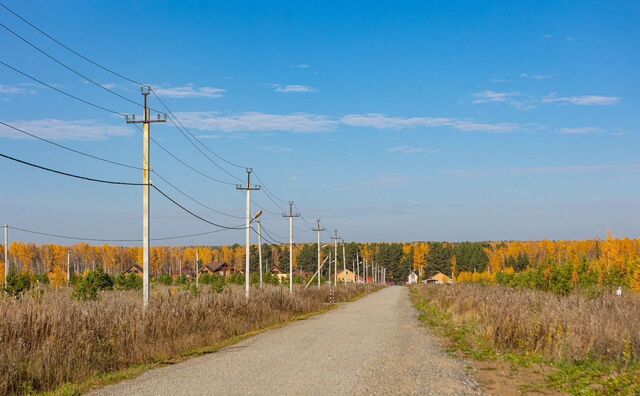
[(571, 328), (50, 339)]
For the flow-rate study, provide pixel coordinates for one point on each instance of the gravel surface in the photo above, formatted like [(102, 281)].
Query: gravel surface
[(375, 345)]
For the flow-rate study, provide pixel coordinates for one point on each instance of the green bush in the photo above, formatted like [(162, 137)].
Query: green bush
[(85, 290), (165, 279), (42, 279), (128, 282), (17, 283)]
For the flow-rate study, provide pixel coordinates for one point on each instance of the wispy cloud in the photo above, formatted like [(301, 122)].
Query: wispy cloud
[(276, 149), (580, 131), (526, 102), (537, 76), (190, 91), (411, 150), (294, 88), (55, 129), (587, 100), (257, 122), (313, 123), (543, 170), (381, 121), (301, 66), (16, 90)]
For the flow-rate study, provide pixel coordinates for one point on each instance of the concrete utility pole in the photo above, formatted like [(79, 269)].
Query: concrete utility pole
[(319, 229), (357, 266), (364, 270), (329, 267), (344, 263), (335, 255), (291, 215), (68, 265), (260, 251), (146, 204), (6, 254), (197, 268), (248, 188)]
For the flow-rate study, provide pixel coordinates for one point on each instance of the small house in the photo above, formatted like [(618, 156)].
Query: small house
[(222, 269), (413, 278), (439, 279), (346, 276), (275, 271), (134, 269)]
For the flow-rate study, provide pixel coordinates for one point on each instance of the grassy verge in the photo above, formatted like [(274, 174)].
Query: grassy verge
[(508, 370)]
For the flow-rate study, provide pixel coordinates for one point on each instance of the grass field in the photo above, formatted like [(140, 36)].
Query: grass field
[(585, 345), (50, 339)]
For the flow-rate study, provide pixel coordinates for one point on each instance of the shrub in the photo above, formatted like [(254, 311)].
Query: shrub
[(17, 283), (165, 279), (128, 282)]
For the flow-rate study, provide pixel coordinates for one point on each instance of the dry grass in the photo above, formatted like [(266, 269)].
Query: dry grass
[(51, 339), (572, 328)]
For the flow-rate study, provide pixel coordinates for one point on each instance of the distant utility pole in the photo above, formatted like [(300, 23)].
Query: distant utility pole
[(357, 266), (6, 254), (291, 215), (329, 267), (335, 263), (319, 229), (197, 268), (260, 251), (146, 204), (68, 265), (248, 188), (344, 263), (365, 270)]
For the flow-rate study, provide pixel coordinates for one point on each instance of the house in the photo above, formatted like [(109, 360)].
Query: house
[(275, 271), (346, 276), (439, 279), (134, 269), (413, 278), (222, 269)]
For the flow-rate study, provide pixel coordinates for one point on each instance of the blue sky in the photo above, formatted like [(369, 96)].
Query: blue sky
[(391, 122)]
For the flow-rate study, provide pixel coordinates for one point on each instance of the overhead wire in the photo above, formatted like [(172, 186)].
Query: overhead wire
[(69, 148)]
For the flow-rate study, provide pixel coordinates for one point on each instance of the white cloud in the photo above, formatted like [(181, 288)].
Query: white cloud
[(587, 100), (493, 96), (276, 149), (16, 90), (547, 36), (543, 170), (410, 150), (301, 66), (256, 122), (580, 131), (313, 123), (381, 121), (294, 88), (189, 91), (537, 76), (55, 129)]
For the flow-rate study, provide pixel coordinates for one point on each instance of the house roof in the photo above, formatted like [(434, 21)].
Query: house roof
[(440, 277), (134, 267)]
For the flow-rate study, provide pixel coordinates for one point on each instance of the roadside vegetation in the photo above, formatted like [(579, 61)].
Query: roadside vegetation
[(585, 344), (54, 336)]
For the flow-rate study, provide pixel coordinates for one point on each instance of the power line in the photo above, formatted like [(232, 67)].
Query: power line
[(69, 148), (71, 69), (195, 200), (112, 240), (269, 191), (70, 49), (183, 129), (70, 174), (193, 214), (61, 91)]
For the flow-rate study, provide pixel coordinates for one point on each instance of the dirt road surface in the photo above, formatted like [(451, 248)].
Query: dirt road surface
[(375, 345)]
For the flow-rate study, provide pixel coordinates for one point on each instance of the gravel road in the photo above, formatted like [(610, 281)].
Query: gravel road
[(372, 346)]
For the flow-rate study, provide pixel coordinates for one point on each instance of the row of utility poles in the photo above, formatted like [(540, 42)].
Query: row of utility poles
[(377, 272)]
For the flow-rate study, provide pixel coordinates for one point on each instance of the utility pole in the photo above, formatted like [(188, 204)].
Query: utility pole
[(6, 254), (260, 251), (335, 263), (365, 270), (319, 229), (146, 184), (357, 266), (344, 263), (291, 215), (248, 188), (329, 267), (197, 268), (68, 265)]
